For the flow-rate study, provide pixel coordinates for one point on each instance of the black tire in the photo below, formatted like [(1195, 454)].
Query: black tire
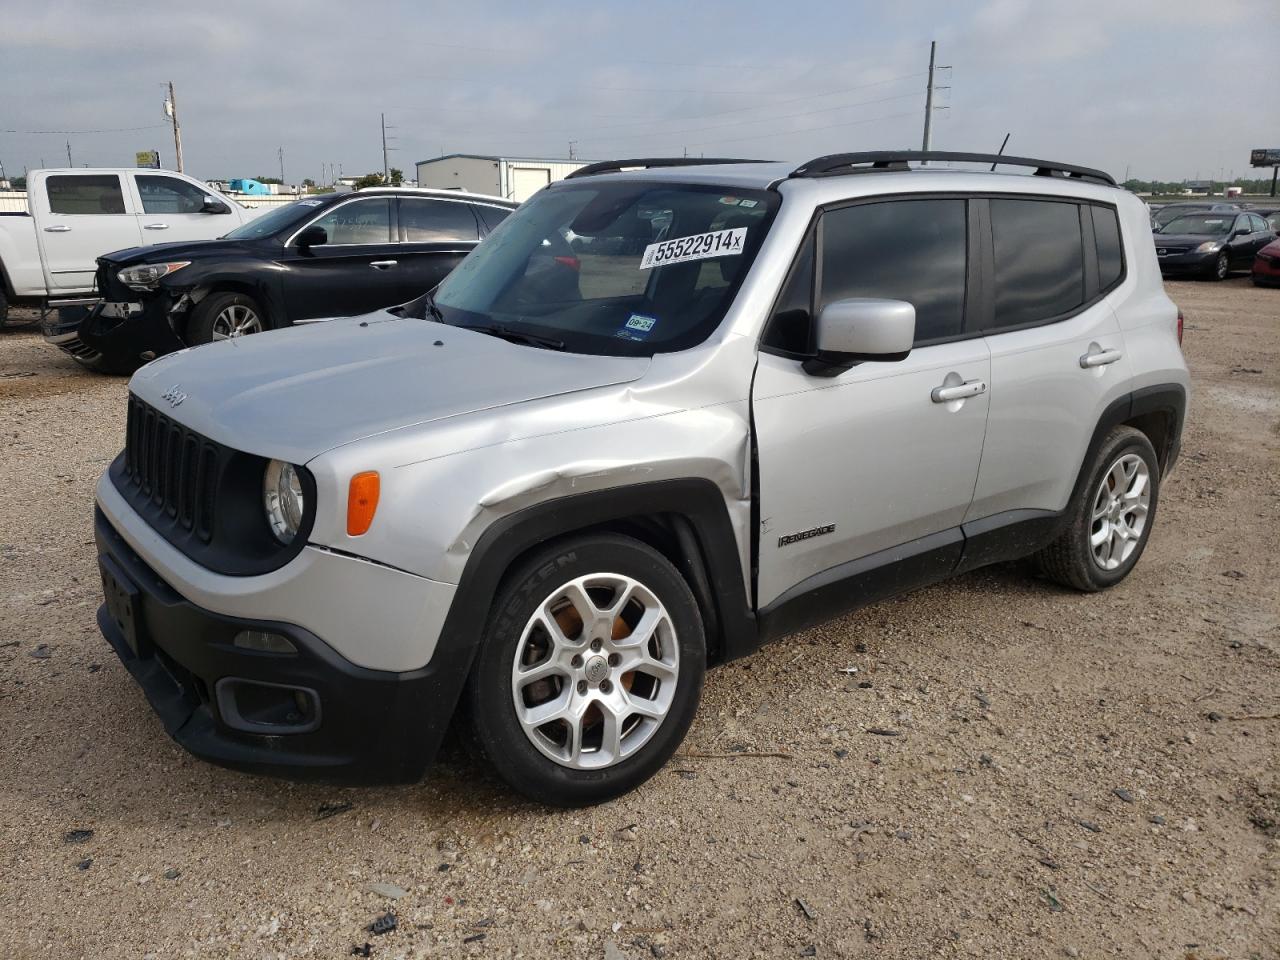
[(4, 305), (205, 315), (1220, 269), (1070, 558), (496, 732)]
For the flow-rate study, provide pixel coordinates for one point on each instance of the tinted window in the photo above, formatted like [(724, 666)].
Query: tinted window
[(791, 326), (425, 221), (169, 195), (1039, 263), (83, 194), (492, 216), (364, 221), (912, 250), (1106, 234), (1257, 224)]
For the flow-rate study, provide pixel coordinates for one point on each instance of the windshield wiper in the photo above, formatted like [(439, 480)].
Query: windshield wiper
[(516, 336)]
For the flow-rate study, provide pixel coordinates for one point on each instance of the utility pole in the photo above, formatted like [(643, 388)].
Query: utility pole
[(386, 168), (171, 111), (928, 96), (69, 163), (572, 145), (280, 154)]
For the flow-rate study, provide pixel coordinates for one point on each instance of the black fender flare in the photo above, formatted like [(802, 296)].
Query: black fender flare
[(1169, 399), (700, 519)]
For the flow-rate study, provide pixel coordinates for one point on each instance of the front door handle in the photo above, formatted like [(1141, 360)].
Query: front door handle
[(383, 264), (155, 226), (57, 228), (961, 391), (1099, 358)]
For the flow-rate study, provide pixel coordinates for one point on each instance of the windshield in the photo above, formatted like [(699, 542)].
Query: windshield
[(281, 218), (612, 267), (1200, 224)]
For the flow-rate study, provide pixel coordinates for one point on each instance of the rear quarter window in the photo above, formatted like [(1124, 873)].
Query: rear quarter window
[(1106, 236)]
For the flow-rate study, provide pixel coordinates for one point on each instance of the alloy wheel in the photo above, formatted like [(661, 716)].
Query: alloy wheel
[(1120, 509), (236, 320), (595, 671)]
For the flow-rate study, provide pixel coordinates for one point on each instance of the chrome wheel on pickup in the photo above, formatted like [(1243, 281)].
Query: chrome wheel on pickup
[(590, 671)]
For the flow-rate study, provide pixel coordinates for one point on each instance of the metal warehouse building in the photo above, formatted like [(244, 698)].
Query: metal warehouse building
[(517, 178)]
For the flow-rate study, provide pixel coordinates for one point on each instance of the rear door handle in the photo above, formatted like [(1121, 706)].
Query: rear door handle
[(57, 228), (961, 391), (1099, 358), (383, 264), (155, 226)]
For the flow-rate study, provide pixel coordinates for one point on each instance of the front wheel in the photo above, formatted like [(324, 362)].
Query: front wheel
[(1111, 516), (590, 671), (223, 316), (1221, 267)]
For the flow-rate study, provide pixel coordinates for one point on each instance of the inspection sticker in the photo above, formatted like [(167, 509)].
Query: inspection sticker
[(637, 327), (700, 246)]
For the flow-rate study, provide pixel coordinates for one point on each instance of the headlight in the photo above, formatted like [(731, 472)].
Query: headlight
[(282, 499), (1209, 246), (147, 275)]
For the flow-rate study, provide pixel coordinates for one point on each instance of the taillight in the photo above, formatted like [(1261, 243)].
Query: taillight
[(1179, 326)]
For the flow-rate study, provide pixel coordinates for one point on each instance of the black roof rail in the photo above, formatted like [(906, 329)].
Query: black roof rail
[(839, 164), (613, 166)]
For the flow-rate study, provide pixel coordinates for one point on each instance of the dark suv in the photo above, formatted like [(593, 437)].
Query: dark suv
[(330, 256)]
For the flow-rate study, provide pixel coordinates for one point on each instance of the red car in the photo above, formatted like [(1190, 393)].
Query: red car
[(1266, 265)]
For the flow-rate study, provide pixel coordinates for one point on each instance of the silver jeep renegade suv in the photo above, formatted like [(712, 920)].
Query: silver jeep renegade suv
[(669, 410)]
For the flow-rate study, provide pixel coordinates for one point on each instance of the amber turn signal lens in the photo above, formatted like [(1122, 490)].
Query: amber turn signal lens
[(362, 502)]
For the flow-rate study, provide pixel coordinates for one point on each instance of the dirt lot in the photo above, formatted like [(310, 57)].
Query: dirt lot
[(1073, 776)]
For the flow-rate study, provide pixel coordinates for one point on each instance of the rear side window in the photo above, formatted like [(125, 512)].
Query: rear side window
[(1039, 260), (1106, 235), (492, 216), (912, 250), (427, 221), (1257, 224), (85, 194)]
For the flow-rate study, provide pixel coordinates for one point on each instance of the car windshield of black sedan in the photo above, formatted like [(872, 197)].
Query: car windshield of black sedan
[(608, 267), (274, 221), (1199, 225)]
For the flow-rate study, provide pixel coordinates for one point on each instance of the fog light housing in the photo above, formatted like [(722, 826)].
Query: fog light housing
[(261, 641)]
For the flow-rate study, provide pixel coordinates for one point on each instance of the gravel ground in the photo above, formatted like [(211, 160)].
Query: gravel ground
[(1071, 776)]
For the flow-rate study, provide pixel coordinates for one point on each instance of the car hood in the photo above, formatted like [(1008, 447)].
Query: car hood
[(1183, 240), (179, 250), (293, 394)]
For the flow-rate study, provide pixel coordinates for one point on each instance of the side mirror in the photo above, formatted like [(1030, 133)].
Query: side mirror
[(859, 329), (213, 205), (312, 237)]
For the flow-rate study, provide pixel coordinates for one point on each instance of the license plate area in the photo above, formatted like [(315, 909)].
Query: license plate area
[(123, 604)]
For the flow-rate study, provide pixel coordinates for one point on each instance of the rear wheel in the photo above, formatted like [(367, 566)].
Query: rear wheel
[(590, 671), (224, 316), (1110, 518), (4, 305)]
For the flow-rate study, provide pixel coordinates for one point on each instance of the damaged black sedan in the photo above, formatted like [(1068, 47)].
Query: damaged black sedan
[(337, 255)]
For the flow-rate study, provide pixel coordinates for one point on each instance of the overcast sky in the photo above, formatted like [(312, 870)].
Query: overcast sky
[(1159, 88)]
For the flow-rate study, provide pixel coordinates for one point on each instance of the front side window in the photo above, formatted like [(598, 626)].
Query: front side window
[(169, 195), (435, 221), (358, 223), (613, 267), (96, 194), (1038, 260), (912, 250)]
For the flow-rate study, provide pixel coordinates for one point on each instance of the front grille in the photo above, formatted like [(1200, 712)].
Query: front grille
[(173, 469)]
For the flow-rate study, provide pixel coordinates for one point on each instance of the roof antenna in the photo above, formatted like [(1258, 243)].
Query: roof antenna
[(1000, 152)]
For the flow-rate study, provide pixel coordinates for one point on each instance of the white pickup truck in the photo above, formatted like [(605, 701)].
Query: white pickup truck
[(47, 255)]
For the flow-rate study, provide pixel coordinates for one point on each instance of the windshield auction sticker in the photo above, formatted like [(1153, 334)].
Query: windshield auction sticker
[(700, 246)]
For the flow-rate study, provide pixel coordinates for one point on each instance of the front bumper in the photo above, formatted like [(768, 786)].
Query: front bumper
[(129, 337), (311, 715), (1188, 262)]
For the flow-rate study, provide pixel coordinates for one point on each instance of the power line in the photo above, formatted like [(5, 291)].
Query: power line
[(67, 133)]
